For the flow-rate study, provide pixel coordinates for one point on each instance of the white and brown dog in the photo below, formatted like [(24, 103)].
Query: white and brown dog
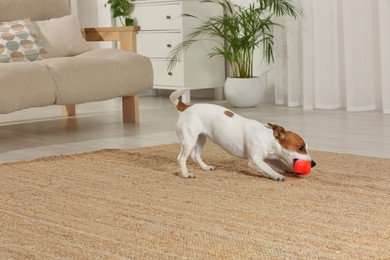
[(263, 145)]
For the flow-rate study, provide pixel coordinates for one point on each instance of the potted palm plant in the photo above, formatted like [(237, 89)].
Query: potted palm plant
[(237, 34)]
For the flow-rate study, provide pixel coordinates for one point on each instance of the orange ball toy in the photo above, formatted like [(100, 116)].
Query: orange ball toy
[(302, 167)]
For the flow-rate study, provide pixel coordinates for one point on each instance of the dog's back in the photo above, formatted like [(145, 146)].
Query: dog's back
[(218, 123), (205, 114)]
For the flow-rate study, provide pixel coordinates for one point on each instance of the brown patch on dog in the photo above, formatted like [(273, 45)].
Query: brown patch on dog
[(229, 113), (181, 106), (289, 140)]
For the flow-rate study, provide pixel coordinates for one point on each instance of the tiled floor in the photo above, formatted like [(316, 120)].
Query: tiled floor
[(40, 132)]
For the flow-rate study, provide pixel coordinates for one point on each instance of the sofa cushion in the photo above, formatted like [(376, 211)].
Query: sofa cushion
[(62, 36), (24, 85), (98, 75), (35, 9), (19, 42)]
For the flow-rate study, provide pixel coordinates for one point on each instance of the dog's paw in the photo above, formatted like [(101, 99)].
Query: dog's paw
[(209, 168), (206, 167), (278, 177), (189, 176)]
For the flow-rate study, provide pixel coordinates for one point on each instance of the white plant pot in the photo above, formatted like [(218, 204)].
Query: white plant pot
[(244, 92)]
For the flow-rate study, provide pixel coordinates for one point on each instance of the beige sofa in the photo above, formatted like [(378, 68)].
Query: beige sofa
[(71, 74)]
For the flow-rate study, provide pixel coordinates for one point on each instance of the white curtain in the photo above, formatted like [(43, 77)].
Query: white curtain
[(336, 56)]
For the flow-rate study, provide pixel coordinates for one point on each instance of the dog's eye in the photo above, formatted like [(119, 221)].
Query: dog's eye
[(301, 148)]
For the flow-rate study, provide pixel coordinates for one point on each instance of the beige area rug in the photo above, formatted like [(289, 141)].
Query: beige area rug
[(132, 204)]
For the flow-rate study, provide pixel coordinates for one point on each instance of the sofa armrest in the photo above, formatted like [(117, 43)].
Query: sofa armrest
[(125, 35)]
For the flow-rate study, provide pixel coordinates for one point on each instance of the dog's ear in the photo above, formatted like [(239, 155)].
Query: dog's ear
[(279, 132)]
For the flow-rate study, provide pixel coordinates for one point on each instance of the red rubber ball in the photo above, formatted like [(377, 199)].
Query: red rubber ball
[(302, 167)]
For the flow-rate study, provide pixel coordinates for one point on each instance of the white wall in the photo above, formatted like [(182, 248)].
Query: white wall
[(92, 13), (73, 4)]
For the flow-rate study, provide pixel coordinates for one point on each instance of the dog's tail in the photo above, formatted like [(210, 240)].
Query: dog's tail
[(174, 97)]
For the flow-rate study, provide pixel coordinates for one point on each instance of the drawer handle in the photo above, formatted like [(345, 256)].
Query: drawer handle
[(168, 17), (170, 73), (169, 45)]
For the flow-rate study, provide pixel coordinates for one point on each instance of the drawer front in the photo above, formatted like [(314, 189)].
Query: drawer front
[(165, 78), (157, 45), (158, 16)]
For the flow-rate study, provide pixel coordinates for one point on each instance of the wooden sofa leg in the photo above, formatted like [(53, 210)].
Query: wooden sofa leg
[(130, 109), (69, 110)]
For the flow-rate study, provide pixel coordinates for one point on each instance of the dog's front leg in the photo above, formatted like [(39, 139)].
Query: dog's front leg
[(281, 165), (266, 169)]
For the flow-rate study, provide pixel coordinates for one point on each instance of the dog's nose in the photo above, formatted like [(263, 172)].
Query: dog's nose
[(313, 163)]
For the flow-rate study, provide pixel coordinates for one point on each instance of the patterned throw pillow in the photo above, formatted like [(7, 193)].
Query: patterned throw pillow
[(19, 42)]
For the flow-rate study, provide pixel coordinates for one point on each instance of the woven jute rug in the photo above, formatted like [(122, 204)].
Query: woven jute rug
[(119, 204)]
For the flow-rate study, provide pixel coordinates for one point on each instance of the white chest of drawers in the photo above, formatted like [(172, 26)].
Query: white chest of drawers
[(162, 28)]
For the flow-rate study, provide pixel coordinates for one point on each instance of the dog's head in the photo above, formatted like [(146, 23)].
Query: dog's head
[(293, 147)]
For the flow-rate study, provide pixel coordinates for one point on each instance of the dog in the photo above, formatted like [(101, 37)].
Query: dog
[(264, 145)]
